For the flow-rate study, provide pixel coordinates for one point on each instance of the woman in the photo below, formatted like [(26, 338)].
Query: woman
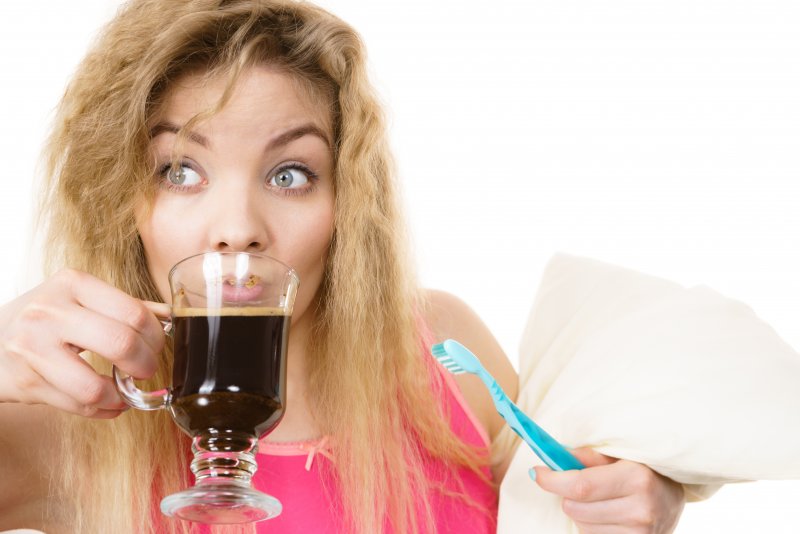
[(248, 125)]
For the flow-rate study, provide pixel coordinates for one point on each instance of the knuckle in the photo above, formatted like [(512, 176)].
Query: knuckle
[(139, 317), (645, 516), (644, 480), (15, 347), (92, 392), (87, 410), (581, 489), (35, 312), (25, 381), (123, 342), (68, 276)]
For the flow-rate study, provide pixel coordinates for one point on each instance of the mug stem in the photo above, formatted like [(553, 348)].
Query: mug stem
[(223, 466), (227, 456)]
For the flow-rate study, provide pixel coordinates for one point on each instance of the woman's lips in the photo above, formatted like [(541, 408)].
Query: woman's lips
[(242, 290)]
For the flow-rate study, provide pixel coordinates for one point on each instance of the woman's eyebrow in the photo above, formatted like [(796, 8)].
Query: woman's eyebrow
[(292, 134), (280, 140), (168, 127)]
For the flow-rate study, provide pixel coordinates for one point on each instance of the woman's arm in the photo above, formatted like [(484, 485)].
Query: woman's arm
[(42, 334), (609, 495)]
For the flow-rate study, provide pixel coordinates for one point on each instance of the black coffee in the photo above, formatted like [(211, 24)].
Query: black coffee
[(229, 373)]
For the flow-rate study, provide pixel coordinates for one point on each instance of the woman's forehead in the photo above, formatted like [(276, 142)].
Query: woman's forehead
[(270, 93)]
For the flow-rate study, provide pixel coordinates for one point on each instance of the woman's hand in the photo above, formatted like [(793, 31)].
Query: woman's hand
[(615, 496), (43, 332)]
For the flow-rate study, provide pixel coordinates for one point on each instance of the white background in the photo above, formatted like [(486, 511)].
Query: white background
[(662, 136)]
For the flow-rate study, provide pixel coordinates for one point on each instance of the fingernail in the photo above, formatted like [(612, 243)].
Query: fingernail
[(532, 474)]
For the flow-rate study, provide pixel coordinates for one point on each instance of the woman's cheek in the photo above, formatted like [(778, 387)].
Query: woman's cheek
[(307, 253), (166, 242)]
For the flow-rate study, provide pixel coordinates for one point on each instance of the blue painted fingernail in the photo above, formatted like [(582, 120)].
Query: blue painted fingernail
[(532, 474)]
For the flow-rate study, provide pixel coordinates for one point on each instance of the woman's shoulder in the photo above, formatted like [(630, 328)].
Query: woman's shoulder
[(450, 317)]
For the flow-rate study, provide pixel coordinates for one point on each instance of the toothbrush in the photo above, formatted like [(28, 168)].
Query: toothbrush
[(457, 359)]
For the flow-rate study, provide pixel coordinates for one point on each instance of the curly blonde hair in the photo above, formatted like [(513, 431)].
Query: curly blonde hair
[(365, 355)]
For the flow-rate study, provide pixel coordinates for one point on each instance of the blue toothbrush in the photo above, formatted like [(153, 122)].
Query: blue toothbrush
[(457, 359)]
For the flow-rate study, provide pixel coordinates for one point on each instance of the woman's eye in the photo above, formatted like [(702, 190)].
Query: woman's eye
[(290, 178), (183, 176)]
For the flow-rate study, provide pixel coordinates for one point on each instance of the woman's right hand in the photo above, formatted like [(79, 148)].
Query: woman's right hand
[(43, 332)]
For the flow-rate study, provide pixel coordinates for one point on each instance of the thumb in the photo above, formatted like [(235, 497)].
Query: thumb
[(591, 458), (159, 309), (587, 456)]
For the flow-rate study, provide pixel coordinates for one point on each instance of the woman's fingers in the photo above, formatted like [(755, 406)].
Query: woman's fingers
[(592, 484), (593, 528), (58, 399), (115, 341), (106, 300), (43, 332), (71, 376), (615, 495), (68, 384), (159, 309), (612, 511), (591, 458)]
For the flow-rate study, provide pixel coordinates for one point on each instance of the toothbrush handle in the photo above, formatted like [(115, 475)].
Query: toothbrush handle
[(557, 457), (551, 452)]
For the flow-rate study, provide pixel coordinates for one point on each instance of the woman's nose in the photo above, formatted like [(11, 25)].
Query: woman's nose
[(237, 222)]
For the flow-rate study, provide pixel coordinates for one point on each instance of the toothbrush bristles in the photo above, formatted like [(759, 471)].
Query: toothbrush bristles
[(450, 365), (446, 360)]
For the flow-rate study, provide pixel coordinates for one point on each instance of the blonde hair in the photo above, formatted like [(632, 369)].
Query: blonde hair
[(364, 359)]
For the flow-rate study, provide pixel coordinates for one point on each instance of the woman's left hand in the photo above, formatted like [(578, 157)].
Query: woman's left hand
[(617, 496)]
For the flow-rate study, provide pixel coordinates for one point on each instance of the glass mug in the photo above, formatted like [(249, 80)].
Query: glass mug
[(230, 326)]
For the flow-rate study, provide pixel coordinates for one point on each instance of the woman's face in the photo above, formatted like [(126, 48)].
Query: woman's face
[(255, 177)]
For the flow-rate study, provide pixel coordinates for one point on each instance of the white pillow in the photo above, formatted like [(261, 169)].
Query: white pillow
[(687, 381)]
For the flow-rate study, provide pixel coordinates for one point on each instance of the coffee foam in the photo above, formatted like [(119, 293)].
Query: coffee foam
[(248, 311)]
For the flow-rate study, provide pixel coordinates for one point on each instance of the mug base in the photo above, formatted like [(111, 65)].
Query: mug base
[(221, 504)]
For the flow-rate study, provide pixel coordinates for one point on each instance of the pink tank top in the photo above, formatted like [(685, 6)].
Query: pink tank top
[(291, 473)]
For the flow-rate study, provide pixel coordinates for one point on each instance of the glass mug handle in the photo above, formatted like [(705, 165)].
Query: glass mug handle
[(142, 400)]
